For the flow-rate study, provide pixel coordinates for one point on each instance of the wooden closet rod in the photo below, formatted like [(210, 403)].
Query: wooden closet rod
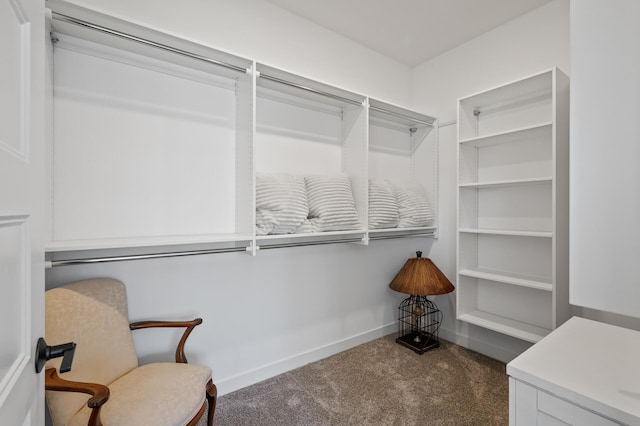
[(65, 18)]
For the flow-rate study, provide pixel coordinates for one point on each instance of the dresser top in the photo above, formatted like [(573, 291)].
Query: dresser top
[(591, 364)]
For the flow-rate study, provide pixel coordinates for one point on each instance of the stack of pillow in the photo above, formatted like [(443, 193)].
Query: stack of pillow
[(291, 204), (397, 206), (294, 204)]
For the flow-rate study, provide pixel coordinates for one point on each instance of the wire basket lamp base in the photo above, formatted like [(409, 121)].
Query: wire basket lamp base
[(419, 321)]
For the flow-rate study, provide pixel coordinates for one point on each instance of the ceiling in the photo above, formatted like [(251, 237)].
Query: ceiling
[(409, 31)]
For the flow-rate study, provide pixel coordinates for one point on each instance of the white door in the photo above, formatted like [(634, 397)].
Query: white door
[(22, 208)]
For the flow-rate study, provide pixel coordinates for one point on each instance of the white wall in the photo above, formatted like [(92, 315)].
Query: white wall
[(605, 154), (531, 43), (526, 45)]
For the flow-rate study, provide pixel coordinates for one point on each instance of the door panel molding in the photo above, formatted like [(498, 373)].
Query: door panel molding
[(15, 103), (15, 340)]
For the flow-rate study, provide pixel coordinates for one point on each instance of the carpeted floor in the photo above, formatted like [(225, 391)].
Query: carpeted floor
[(377, 383)]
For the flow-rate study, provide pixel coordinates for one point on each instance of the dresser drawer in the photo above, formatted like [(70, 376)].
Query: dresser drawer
[(529, 406), (566, 413)]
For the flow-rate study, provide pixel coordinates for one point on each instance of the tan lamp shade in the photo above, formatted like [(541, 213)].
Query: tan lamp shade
[(420, 276)]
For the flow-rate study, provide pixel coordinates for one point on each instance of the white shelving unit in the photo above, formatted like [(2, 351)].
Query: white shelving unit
[(403, 149), (158, 140), (513, 152), (307, 127), (150, 145)]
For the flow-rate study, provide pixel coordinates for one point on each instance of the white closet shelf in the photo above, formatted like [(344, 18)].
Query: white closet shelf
[(508, 182), (386, 112), (116, 243), (515, 135), (417, 228), (401, 142), (511, 93), (89, 24), (521, 330), (377, 234), (509, 232), (539, 283), (309, 235), (310, 238), (300, 87)]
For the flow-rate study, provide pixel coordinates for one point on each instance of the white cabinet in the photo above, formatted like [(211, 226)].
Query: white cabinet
[(512, 270), (584, 373)]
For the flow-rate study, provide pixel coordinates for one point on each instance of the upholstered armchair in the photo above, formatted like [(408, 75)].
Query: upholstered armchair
[(93, 314)]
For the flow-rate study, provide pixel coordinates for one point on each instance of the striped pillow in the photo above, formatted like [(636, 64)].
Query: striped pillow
[(414, 208), (331, 204), (383, 205), (281, 203)]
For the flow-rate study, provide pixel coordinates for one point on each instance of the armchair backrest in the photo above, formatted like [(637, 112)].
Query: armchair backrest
[(93, 314)]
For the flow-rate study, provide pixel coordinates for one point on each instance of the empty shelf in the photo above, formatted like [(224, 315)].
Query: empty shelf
[(521, 330), (508, 182), (528, 132), (508, 278), (513, 232)]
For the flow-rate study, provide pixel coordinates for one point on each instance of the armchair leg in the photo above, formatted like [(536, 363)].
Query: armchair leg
[(212, 398)]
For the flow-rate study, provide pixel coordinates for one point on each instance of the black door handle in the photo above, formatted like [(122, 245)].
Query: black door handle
[(45, 353)]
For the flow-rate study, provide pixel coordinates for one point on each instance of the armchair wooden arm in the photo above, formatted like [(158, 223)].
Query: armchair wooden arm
[(99, 393), (190, 325)]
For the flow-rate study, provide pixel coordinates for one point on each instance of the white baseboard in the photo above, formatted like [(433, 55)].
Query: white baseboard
[(492, 351), (239, 381), (250, 377)]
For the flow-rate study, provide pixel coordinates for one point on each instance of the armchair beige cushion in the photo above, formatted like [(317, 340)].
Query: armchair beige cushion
[(93, 314), (175, 389)]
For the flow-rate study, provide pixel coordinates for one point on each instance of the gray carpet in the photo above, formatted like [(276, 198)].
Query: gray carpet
[(377, 383)]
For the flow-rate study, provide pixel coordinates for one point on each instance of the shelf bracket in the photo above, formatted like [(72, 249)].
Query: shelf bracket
[(252, 249)]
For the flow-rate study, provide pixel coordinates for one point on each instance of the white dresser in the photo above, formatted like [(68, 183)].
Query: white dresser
[(583, 373)]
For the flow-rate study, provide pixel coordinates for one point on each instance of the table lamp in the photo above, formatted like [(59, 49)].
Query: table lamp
[(419, 317)]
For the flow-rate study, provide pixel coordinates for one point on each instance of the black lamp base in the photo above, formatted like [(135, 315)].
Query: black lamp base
[(419, 320), (426, 341)]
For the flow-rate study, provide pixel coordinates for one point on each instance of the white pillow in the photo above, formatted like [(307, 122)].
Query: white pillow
[(305, 228), (281, 203), (413, 206), (383, 205), (331, 205)]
